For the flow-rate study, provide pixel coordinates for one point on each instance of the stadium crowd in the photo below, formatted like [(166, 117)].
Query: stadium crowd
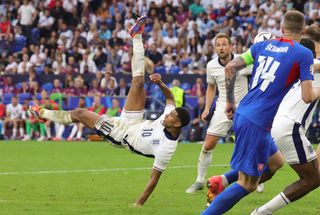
[(74, 38)]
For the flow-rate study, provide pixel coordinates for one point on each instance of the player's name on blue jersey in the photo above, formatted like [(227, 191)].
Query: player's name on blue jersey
[(273, 48)]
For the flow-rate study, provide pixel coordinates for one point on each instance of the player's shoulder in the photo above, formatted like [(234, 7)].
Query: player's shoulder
[(213, 63)]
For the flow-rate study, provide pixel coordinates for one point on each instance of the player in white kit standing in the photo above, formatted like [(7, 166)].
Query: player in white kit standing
[(156, 139), (220, 124)]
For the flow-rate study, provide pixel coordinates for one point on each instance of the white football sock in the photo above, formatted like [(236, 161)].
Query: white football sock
[(274, 204), (60, 116), (21, 130), (73, 131), (14, 133), (79, 134), (48, 131), (60, 130), (203, 164), (137, 61)]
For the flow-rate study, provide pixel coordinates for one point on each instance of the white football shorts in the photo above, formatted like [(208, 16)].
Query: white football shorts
[(219, 124), (291, 140), (113, 129)]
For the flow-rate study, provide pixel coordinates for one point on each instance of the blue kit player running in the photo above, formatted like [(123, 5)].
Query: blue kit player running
[(277, 65)]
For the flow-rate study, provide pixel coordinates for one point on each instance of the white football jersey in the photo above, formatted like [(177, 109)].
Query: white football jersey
[(149, 138), (293, 107), (14, 111), (216, 75)]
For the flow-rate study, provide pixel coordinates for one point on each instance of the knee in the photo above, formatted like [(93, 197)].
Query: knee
[(77, 113), (250, 187), (207, 147), (138, 83)]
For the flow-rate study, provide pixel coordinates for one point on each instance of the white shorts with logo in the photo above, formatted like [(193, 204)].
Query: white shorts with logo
[(219, 124), (113, 129), (292, 141)]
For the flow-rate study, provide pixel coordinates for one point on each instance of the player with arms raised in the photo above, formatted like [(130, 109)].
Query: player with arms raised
[(278, 64), (155, 139)]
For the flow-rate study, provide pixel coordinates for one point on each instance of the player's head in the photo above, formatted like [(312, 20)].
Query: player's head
[(313, 33), (177, 118), (223, 45), (309, 44), (293, 23)]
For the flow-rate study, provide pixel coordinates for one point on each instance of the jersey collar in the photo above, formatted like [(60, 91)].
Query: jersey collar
[(169, 136), (232, 56)]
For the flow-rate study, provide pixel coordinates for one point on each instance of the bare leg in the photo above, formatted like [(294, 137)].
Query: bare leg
[(275, 162), (136, 98), (309, 180), (87, 118), (249, 183)]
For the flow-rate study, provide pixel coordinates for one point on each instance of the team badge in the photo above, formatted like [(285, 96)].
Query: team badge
[(260, 167)]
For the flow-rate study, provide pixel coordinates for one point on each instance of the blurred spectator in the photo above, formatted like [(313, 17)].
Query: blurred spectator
[(13, 118), (154, 55), (12, 66), (2, 117), (198, 127), (196, 8), (91, 66), (115, 109), (198, 89), (26, 15), (113, 58), (100, 58), (106, 80), (25, 65), (178, 93), (122, 89), (94, 88)]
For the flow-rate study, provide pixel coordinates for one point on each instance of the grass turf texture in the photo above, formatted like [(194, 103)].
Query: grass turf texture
[(31, 181)]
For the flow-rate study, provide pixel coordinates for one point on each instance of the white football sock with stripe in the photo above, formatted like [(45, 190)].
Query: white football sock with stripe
[(203, 164), (60, 116), (274, 204)]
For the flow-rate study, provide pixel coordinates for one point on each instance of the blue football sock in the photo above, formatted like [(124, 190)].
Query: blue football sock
[(226, 200), (231, 175)]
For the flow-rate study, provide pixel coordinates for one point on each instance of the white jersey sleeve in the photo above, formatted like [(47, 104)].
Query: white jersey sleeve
[(14, 111), (294, 108), (211, 79)]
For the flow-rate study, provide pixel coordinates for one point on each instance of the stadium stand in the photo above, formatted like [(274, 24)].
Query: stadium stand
[(79, 40)]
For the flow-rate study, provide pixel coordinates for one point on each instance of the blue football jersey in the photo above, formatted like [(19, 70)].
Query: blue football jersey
[(277, 65)]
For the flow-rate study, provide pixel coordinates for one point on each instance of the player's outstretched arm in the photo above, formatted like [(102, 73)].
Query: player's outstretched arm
[(231, 70), (152, 183), (156, 78)]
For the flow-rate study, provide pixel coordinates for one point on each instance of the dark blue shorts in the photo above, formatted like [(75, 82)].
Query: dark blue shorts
[(253, 147)]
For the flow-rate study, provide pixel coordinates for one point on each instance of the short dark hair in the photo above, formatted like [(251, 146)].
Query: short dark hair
[(313, 33), (183, 116), (294, 22), (309, 44)]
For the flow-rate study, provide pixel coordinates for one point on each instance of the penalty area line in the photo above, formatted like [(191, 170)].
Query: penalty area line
[(43, 172)]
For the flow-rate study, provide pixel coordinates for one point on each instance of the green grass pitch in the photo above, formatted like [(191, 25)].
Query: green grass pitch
[(96, 178)]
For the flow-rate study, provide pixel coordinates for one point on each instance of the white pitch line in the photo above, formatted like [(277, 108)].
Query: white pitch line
[(42, 172)]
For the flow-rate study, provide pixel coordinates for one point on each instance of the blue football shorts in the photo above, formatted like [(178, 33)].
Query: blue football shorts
[(253, 146)]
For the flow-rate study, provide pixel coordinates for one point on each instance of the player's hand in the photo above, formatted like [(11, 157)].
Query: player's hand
[(230, 110), (155, 78), (136, 205), (204, 115)]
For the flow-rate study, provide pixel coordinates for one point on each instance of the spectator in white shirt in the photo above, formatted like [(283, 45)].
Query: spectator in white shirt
[(45, 23), (12, 67), (37, 59), (24, 66), (92, 68), (170, 39), (26, 15)]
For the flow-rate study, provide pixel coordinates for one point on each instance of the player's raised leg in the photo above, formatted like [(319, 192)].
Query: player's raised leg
[(136, 97), (86, 117)]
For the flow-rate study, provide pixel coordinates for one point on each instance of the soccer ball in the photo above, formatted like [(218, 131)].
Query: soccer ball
[(262, 36)]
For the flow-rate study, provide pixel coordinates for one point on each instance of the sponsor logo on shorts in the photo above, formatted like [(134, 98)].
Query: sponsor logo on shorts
[(310, 149), (260, 167)]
